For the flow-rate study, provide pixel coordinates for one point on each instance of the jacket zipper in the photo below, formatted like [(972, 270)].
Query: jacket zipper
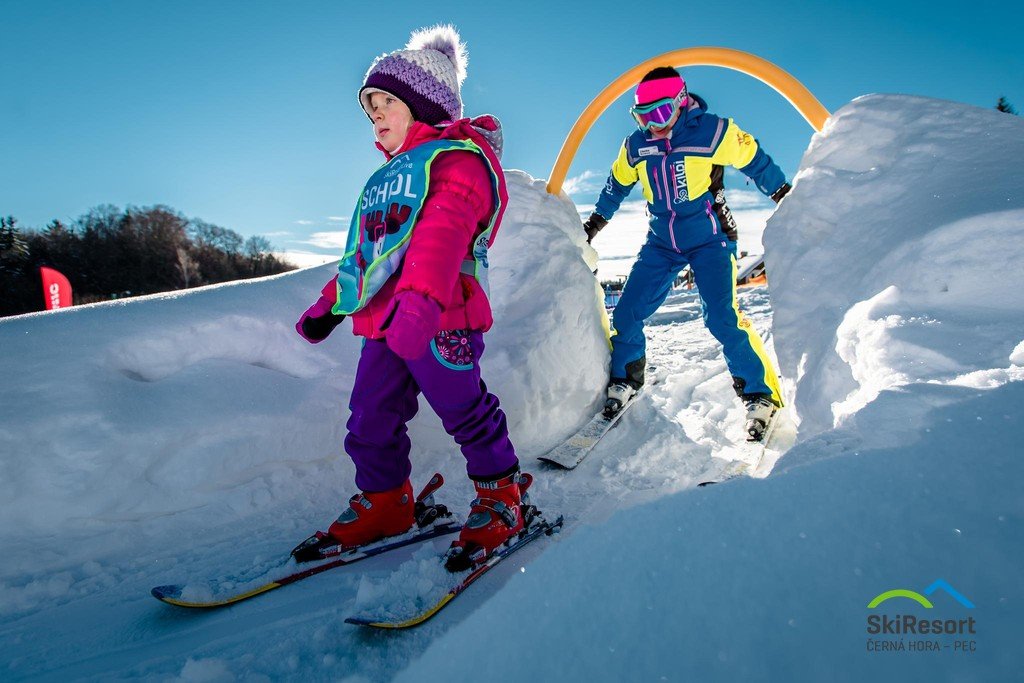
[(668, 201), (711, 217)]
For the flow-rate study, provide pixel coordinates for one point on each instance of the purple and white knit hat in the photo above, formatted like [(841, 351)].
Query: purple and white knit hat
[(427, 75)]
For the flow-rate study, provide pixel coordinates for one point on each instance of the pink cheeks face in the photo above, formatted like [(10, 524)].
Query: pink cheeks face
[(391, 120)]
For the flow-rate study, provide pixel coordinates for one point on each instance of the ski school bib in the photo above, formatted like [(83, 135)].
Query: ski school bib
[(385, 216)]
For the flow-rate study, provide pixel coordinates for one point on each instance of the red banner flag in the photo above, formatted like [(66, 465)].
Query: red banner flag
[(56, 289)]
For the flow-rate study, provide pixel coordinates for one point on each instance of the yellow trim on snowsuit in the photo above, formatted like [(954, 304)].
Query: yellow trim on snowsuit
[(628, 175), (622, 170), (737, 149), (714, 269), (770, 378), (676, 173)]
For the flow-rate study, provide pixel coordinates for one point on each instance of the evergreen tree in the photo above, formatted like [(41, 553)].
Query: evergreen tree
[(15, 271), (1005, 106), (13, 247)]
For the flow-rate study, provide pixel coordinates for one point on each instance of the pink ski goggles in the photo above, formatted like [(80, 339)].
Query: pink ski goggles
[(656, 114)]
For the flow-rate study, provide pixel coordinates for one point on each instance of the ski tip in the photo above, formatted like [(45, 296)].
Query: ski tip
[(166, 592), (554, 464), (408, 623), (538, 527), (391, 625)]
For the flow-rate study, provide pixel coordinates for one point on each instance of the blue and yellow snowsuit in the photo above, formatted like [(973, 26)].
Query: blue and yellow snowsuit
[(675, 174)]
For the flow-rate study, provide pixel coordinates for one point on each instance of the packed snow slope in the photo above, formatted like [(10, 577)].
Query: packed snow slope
[(173, 438), (903, 340), (177, 437)]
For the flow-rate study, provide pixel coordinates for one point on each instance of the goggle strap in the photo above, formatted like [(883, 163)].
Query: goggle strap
[(650, 106)]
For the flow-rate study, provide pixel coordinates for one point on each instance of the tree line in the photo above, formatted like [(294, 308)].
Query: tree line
[(109, 253)]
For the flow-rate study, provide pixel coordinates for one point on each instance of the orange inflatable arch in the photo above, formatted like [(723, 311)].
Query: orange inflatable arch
[(785, 84)]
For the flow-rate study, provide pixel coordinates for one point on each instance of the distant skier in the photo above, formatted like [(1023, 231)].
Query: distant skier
[(674, 155), (413, 279)]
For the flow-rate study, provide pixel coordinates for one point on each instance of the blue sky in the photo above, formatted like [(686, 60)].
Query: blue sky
[(244, 113)]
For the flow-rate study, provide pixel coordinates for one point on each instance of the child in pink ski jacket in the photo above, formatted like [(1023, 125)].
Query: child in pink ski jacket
[(413, 280)]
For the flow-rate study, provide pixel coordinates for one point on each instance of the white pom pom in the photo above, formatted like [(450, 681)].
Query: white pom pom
[(443, 38)]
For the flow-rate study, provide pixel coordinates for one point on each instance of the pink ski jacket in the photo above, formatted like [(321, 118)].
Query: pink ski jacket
[(457, 209)]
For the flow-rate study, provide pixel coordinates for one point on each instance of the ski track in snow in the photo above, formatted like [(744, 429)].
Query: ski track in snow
[(666, 442)]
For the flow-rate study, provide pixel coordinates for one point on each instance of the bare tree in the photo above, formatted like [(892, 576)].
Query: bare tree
[(113, 253), (188, 267)]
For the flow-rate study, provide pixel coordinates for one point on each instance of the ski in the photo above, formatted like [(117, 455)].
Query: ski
[(317, 554), (739, 468), (292, 571), (538, 527), (573, 450)]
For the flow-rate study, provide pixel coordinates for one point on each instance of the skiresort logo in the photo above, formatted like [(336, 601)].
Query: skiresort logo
[(899, 632)]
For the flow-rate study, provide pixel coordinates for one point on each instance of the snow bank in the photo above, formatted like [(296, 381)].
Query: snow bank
[(901, 340), (201, 414), (892, 261), (547, 353), (769, 580)]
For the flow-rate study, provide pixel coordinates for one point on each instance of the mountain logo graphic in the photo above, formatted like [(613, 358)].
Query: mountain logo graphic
[(922, 599)]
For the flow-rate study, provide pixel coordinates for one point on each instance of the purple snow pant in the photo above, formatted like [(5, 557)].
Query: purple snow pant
[(384, 399)]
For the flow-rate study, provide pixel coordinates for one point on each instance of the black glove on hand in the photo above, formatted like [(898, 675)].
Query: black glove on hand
[(317, 329), (593, 225), (781, 192)]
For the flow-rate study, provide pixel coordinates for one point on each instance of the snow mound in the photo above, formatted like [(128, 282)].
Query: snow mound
[(891, 261), (894, 329), (768, 580), (188, 414), (547, 353)]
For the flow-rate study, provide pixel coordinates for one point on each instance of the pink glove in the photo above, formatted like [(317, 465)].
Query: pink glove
[(318, 321), (416, 318)]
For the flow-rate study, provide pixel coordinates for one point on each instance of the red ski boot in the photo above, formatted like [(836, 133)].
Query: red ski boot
[(368, 518), (497, 515), (373, 516)]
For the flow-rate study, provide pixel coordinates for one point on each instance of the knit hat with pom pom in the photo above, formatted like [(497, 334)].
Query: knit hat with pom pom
[(427, 75)]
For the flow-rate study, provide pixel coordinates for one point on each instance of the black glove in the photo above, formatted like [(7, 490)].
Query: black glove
[(781, 192), (593, 225), (317, 329)]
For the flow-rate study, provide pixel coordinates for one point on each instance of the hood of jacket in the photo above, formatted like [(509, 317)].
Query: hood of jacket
[(484, 130), (696, 108)]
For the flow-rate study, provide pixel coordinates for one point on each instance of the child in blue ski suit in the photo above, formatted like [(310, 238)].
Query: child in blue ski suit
[(672, 155)]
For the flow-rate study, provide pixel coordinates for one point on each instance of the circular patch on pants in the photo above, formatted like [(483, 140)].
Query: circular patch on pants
[(454, 348)]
